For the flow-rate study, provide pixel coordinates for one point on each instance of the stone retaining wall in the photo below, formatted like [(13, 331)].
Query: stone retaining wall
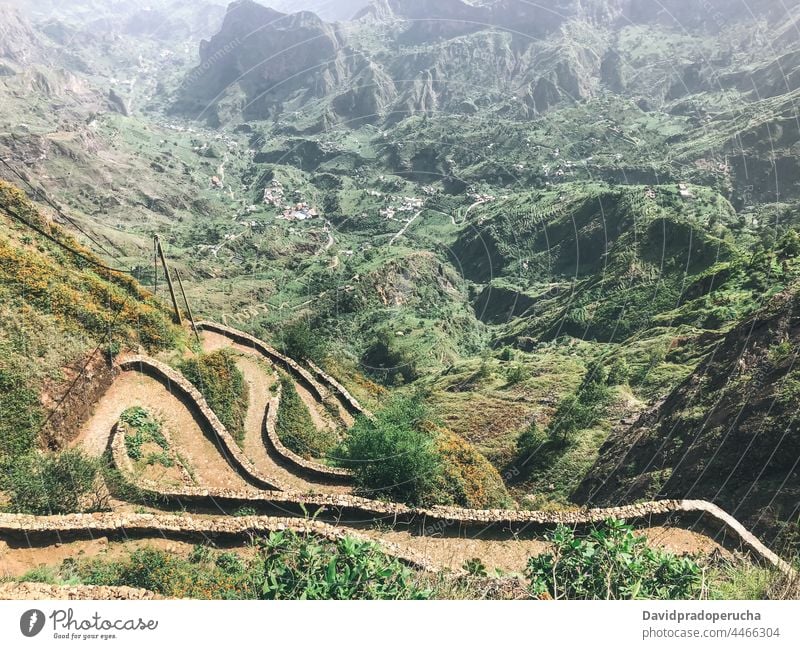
[(304, 467), (293, 461), (350, 402), (128, 525), (35, 591), (177, 383), (245, 339), (355, 509)]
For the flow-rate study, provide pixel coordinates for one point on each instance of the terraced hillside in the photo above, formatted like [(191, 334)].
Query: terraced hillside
[(167, 449), (461, 271)]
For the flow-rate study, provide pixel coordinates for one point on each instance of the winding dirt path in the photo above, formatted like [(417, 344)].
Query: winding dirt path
[(260, 378), (202, 457), (445, 548), (213, 341), (441, 544)]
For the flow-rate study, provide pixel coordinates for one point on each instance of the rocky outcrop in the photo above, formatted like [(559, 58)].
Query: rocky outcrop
[(18, 42), (269, 57), (445, 53)]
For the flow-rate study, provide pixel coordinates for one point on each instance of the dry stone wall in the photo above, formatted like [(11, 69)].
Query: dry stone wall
[(271, 353), (300, 465), (351, 403), (356, 509), (179, 385), (35, 591), (130, 525)]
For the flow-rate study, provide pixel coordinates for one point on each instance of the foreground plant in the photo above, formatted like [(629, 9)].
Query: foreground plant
[(611, 562), (55, 483), (285, 566)]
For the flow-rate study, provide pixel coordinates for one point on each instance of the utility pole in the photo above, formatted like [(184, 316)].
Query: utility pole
[(160, 250), (155, 264), (188, 308)]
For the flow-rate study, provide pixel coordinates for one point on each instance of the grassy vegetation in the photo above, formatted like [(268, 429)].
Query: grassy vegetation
[(403, 455), (57, 309), (223, 386), (609, 562), (283, 566), (54, 483), (296, 428), (143, 430)]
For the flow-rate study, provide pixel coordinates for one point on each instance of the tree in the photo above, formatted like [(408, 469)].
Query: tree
[(582, 409), (300, 342), (530, 441)]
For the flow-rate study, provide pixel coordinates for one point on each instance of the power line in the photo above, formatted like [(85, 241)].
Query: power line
[(61, 244), (57, 209)]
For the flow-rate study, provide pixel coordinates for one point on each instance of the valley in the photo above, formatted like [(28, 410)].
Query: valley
[(547, 257)]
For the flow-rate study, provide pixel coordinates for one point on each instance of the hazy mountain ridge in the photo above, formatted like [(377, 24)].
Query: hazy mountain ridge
[(568, 53)]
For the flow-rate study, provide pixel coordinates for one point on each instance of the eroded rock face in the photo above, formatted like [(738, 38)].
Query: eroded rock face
[(435, 56), (268, 58), (742, 452), (18, 42)]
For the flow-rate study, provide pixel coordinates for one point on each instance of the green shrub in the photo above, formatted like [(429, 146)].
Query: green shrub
[(143, 429), (611, 562), (57, 483), (298, 568), (390, 361), (530, 441), (468, 479), (20, 413), (300, 342), (285, 566), (619, 371), (393, 456), (222, 385), (296, 428), (517, 374)]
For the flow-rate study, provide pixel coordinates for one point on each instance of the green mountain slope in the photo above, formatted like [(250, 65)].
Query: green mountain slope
[(62, 318), (728, 433)]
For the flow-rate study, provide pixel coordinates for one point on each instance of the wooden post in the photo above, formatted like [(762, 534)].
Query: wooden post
[(178, 316), (188, 308), (155, 264)]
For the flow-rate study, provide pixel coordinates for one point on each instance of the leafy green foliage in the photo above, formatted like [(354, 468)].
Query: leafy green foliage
[(223, 386), (393, 455), (143, 429), (467, 479), (300, 342), (390, 361), (475, 568), (57, 483), (611, 562), (285, 565), (349, 569), (296, 428)]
